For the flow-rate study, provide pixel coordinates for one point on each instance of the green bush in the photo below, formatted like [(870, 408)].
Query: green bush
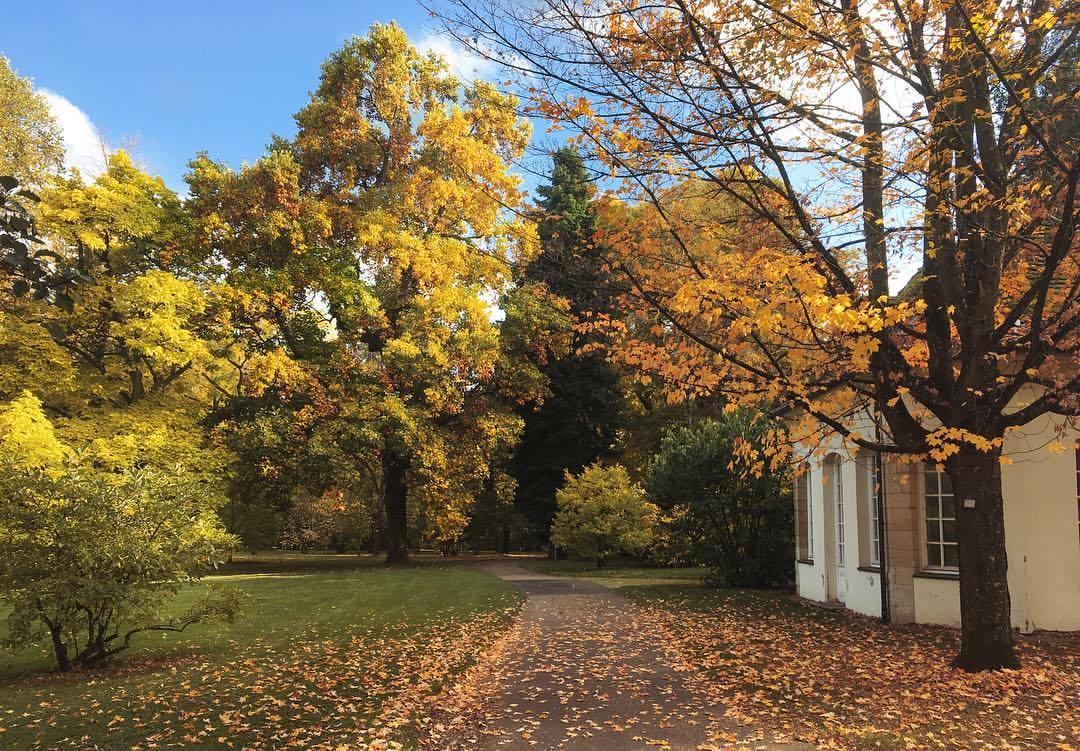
[(721, 514), (88, 559), (602, 512)]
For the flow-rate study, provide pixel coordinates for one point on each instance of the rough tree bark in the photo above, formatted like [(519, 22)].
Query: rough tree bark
[(986, 631)]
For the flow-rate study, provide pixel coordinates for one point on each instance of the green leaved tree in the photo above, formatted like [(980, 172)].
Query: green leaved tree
[(736, 523), (89, 558), (602, 512)]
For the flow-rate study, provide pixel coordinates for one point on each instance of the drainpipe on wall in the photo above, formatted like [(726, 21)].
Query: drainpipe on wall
[(886, 615)]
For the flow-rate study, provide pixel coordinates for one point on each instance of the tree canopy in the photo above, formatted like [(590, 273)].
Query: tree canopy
[(31, 144), (368, 251), (832, 143)]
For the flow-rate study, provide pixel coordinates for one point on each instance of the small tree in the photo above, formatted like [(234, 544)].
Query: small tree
[(89, 558), (737, 523), (601, 512)]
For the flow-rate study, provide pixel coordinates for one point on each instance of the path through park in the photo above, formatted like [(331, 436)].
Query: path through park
[(589, 671)]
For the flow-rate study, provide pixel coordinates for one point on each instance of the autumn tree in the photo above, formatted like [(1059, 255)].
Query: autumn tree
[(855, 138), (31, 144), (369, 248), (602, 512), (118, 353), (578, 421)]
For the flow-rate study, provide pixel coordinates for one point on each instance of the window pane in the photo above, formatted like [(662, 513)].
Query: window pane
[(952, 556), (948, 531), (948, 507), (932, 508), (946, 483), (931, 480), (933, 532), (933, 555)]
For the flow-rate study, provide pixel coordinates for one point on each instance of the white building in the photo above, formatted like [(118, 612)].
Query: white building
[(837, 533)]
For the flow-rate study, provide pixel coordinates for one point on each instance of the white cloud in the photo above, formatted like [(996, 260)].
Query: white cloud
[(84, 147), (463, 63)]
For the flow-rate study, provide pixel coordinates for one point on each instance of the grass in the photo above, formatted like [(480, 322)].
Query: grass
[(344, 616), (618, 574)]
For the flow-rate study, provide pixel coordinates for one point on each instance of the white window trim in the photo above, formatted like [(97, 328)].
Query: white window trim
[(925, 519), (873, 476), (838, 485), (803, 484)]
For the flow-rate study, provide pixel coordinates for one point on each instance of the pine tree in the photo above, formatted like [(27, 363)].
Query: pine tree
[(578, 423)]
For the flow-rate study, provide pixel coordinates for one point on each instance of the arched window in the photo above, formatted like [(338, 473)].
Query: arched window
[(868, 471), (804, 514)]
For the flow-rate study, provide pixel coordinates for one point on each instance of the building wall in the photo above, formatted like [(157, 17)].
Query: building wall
[(903, 538), (1042, 534), (1042, 531), (853, 586), (937, 601)]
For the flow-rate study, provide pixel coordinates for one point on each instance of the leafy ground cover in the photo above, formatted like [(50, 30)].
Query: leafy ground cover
[(841, 682), (330, 651)]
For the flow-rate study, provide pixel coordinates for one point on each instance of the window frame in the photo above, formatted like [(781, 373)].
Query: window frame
[(873, 477), (941, 543), (838, 487), (803, 484)]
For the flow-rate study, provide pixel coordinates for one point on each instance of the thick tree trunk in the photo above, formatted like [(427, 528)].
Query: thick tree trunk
[(985, 612), (394, 468)]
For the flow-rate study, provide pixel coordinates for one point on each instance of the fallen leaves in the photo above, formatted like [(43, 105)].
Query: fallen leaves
[(374, 691), (796, 673)]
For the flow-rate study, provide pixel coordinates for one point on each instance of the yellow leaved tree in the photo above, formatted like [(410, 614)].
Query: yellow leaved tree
[(842, 142), (371, 248)]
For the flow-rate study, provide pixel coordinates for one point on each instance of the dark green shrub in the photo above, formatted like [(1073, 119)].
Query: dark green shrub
[(728, 518)]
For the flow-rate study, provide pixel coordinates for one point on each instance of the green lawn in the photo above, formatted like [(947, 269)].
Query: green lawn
[(618, 574), (313, 626)]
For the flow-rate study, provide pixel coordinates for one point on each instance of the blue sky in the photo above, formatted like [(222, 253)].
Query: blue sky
[(167, 79)]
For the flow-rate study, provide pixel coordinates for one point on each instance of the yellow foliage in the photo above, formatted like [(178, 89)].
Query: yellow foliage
[(27, 438)]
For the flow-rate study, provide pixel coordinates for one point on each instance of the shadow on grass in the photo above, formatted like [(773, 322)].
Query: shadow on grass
[(285, 561)]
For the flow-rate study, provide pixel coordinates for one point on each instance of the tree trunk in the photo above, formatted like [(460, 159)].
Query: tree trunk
[(63, 662), (985, 612), (394, 467)]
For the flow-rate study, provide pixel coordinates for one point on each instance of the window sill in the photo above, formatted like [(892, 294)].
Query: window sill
[(805, 561), (870, 569), (937, 574)]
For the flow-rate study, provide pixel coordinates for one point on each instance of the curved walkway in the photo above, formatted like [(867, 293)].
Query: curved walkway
[(589, 672)]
